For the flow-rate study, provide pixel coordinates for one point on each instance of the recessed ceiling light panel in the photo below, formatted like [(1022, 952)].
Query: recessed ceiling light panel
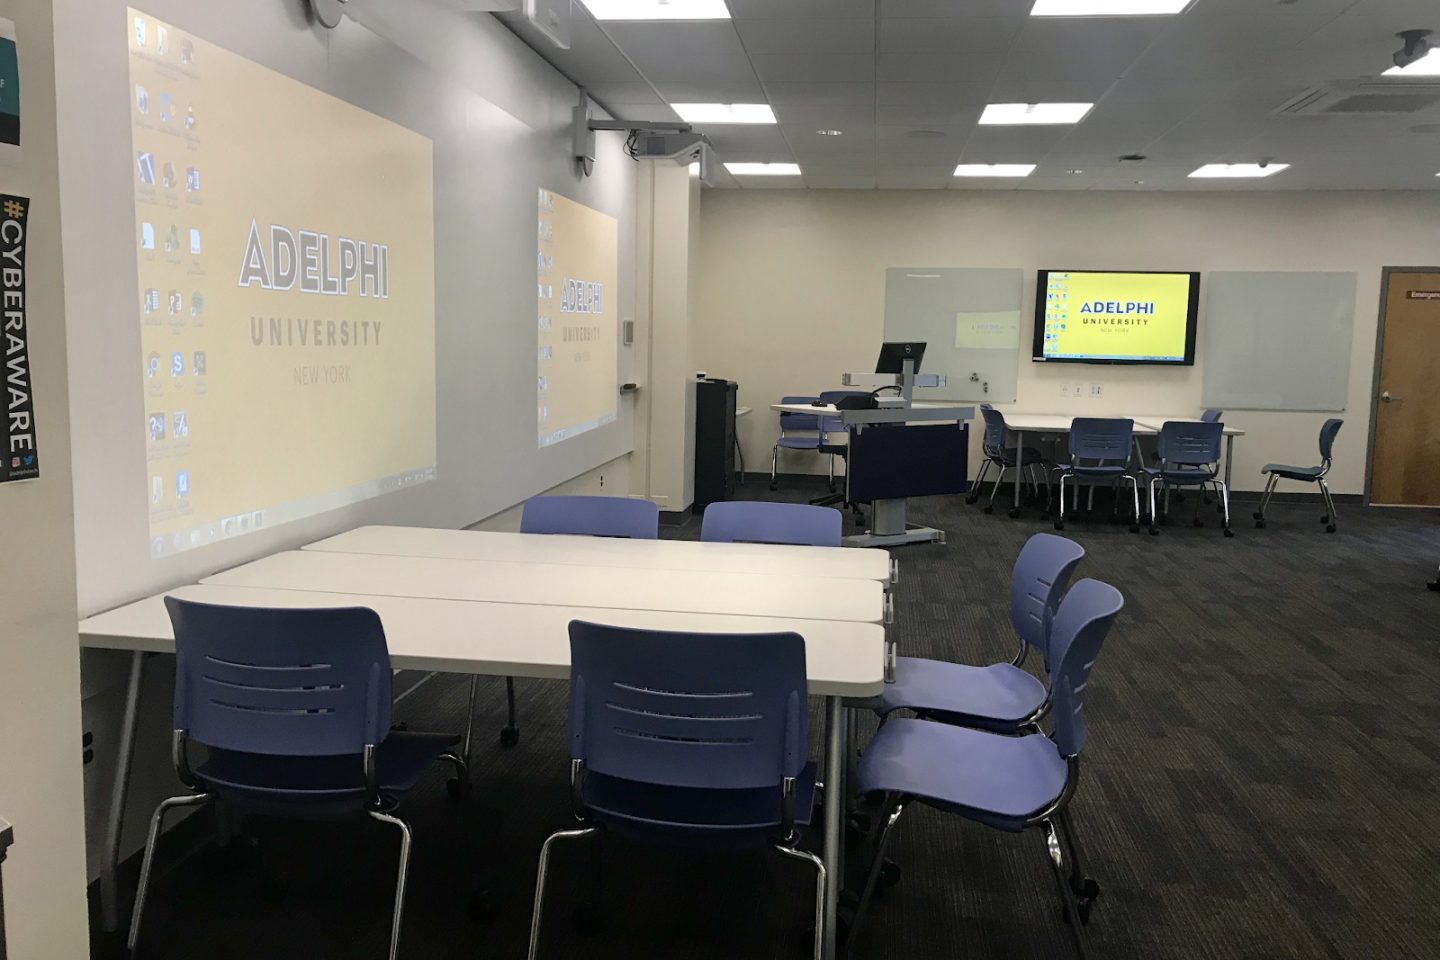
[(1107, 8), (1239, 171), (1426, 66), (994, 169), (724, 112), (763, 169), (1024, 114), (657, 9)]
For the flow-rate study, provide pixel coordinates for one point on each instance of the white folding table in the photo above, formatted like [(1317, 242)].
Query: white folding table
[(747, 558), (523, 633)]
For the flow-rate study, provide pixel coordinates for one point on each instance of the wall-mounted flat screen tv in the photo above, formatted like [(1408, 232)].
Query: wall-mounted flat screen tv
[(1104, 316)]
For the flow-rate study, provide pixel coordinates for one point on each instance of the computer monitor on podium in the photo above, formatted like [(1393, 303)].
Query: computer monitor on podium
[(894, 353)]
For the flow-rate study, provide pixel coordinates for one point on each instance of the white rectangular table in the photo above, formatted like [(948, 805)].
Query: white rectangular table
[(568, 585), (746, 558), (523, 633)]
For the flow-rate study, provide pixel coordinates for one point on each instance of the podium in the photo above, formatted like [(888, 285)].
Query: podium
[(900, 450)]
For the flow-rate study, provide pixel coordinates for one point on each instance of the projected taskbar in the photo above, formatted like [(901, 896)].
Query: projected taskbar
[(1116, 357), (579, 428), (226, 528)]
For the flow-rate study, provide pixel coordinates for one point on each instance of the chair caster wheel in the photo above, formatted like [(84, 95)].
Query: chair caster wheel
[(889, 876), (1059, 524), (1154, 532), (482, 905), (509, 736), (1330, 528), (1087, 889), (586, 921), (972, 499), (1014, 513), (774, 486), (1259, 524), (989, 509), (457, 789), (1433, 585), (1083, 908), (1258, 516), (1229, 532)]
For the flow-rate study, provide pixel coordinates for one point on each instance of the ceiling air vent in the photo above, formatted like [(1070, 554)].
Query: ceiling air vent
[(1362, 99)]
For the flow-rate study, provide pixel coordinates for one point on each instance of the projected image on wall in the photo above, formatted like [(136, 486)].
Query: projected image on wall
[(576, 270), (285, 255)]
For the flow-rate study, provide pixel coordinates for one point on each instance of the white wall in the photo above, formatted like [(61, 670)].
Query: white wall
[(499, 117), (40, 785), (792, 288)]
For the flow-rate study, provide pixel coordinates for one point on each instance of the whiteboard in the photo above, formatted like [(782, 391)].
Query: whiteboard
[(969, 319), (1277, 341)]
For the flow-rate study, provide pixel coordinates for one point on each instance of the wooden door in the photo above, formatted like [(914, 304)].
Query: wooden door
[(1406, 466)]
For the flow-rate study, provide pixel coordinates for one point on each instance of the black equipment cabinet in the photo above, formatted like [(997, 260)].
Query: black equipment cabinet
[(714, 441)]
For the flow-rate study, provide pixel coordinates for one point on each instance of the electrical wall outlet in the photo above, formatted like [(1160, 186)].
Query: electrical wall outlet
[(1064, 389), (1077, 390), (1096, 390)]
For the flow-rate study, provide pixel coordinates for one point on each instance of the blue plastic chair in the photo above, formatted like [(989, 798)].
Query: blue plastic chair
[(758, 521), (1099, 452), (695, 740), (1189, 456), (1212, 415), (1002, 697), (586, 516), (592, 516), (1315, 475), (805, 424), (294, 706), (1000, 452), (1009, 783)]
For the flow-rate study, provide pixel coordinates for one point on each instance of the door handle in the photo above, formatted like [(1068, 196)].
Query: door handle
[(1387, 397)]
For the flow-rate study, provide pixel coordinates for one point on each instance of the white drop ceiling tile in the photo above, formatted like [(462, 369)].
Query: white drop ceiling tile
[(658, 113), (801, 9), (684, 91), (747, 142), (821, 35), (858, 140), (834, 116), (840, 182), (1009, 88), (914, 179), (771, 183), (814, 67), (1013, 144), (1111, 41), (939, 67), (592, 58), (949, 8), (921, 115), (841, 167), (948, 35), (696, 51), (931, 94), (816, 94), (627, 92)]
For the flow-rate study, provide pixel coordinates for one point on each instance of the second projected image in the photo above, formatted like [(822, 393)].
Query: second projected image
[(285, 256), (576, 270)]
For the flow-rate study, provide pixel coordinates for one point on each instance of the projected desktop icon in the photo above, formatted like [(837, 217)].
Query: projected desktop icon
[(157, 426), (181, 425), (182, 484), (177, 364), (142, 99), (195, 240), (172, 239), (152, 365), (197, 363), (167, 175), (162, 37), (189, 118), (197, 304), (167, 107), (152, 299), (140, 30), (147, 236), (227, 526), (187, 51), (157, 489), (145, 161), (175, 303), (192, 180)]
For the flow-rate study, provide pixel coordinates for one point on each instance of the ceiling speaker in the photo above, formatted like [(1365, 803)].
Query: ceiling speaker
[(328, 12)]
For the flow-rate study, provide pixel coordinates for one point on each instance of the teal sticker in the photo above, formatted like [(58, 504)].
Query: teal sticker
[(9, 86)]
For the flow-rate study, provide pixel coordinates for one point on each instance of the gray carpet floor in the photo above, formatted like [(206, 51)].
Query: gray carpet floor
[(1264, 748)]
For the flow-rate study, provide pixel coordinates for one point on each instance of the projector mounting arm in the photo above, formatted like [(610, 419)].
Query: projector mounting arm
[(585, 127)]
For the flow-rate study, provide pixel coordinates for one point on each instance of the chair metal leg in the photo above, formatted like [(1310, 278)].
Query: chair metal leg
[(157, 821), (470, 717), (774, 462), (458, 786), (1225, 506), (1329, 519), (1060, 518), (974, 494), (999, 478), (400, 876), (1057, 867), (819, 865), (510, 734), (877, 862), (1265, 500), (1134, 502), (540, 882), (1084, 887)]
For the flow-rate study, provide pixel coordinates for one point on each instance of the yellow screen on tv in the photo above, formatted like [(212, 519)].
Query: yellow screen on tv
[(1112, 317)]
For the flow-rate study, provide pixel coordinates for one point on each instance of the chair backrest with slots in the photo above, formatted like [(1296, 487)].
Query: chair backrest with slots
[(1042, 572), (1080, 626), (757, 521), (623, 517)]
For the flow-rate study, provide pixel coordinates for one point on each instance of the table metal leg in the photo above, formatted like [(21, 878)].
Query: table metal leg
[(1019, 446), (124, 754), (834, 818), (1229, 458)]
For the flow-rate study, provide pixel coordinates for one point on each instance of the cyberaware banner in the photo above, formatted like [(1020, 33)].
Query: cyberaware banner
[(21, 459)]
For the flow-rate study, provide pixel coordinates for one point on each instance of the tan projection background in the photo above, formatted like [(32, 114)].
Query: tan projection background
[(285, 251)]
